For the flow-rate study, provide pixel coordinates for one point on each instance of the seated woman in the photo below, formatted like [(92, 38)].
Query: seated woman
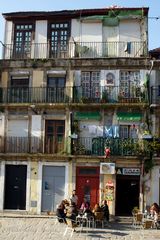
[(60, 212), (71, 211), (85, 207), (97, 208), (105, 210), (154, 211)]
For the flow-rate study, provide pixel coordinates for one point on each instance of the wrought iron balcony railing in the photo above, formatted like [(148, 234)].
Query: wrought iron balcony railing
[(75, 50), (81, 146), (155, 95), (35, 95), (118, 147), (109, 94)]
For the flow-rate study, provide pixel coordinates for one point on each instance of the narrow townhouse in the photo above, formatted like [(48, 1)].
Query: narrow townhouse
[(75, 109)]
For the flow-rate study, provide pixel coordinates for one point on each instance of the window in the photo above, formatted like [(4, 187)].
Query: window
[(56, 89), (130, 84), (59, 37), (19, 90), (22, 40), (128, 131), (90, 82), (54, 140)]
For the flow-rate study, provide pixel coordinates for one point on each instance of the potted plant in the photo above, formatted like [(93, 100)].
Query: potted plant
[(104, 96)]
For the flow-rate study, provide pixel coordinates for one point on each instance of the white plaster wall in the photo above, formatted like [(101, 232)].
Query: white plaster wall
[(155, 188), (2, 125), (153, 79), (17, 128), (86, 32), (129, 31), (41, 39), (36, 126), (8, 39)]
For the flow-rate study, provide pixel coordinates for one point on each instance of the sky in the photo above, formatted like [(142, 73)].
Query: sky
[(54, 5)]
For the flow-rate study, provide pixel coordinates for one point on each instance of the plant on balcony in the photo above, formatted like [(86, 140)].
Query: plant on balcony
[(85, 100), (104, 96)]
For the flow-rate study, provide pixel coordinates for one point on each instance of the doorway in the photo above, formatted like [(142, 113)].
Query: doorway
[(127, 194), (54, 136), (87, 185), (53, 187), (15, 187)]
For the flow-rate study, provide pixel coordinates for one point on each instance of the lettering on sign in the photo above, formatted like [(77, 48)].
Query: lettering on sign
[(129, 171)]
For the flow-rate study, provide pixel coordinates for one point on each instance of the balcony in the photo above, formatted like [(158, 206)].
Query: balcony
[(155, 95), (118, 147), (76, 50), (31, 145), (35, 95), (109, 94)]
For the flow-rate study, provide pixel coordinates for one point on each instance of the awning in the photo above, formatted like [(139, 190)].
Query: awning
[(87, 116), (125, 116)]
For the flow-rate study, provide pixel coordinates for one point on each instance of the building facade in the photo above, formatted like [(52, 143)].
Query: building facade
[(75, 105)]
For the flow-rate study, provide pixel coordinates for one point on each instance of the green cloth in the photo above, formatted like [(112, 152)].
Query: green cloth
[(87, 116), (125, 116)]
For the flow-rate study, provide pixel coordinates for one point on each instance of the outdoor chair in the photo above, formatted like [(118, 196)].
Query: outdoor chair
[(99, 218), (148, 224), (70, 227), (138, 220)]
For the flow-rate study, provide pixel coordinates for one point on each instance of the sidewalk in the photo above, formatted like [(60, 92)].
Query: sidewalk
[(27, 227)]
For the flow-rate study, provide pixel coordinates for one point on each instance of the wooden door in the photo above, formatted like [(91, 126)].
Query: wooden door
[(87, 185)]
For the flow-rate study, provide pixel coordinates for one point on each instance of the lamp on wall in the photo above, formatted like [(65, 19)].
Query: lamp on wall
[(34, 109)]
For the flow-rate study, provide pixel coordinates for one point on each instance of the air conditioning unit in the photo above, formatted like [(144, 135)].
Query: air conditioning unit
[(107, 168)]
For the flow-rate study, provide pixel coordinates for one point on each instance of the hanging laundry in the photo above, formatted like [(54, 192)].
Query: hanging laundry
[(92, 129), (108, 131), (100, 131)]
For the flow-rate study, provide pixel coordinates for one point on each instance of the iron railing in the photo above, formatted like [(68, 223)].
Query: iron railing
[(35, 95), (118, 147), (109, 94), (81, 146), (75, 50)]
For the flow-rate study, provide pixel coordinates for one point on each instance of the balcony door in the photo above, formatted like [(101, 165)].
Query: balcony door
[(90, 82), (59, 37), (22, 40), (56, 89), (130, 84), (19, 90), (54, 136)]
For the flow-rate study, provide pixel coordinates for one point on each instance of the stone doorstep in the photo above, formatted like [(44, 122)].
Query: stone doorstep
[(24, 214)]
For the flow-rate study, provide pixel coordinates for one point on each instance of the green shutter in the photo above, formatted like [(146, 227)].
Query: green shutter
[(124, 116), (87, 116)]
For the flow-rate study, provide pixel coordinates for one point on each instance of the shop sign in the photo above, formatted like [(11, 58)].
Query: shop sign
[(129, 171), (107, 168)]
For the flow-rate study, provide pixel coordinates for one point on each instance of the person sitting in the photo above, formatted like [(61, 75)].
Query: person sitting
[(154, 211), (85, 208), (105, 210), (97, 208), (71, 211), (60, 212)]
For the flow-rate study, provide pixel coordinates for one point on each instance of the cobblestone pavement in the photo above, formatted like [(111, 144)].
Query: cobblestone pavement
[(34, 228)]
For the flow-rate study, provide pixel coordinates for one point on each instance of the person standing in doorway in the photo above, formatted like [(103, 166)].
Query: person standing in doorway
[(74, 198)]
